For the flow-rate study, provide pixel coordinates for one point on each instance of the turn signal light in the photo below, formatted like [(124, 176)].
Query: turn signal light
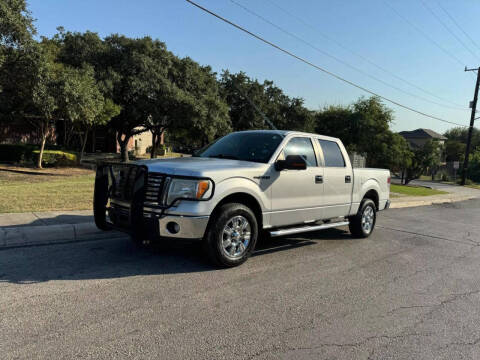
[(202, 188)]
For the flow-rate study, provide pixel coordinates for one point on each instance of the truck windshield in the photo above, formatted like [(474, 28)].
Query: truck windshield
[(256, 147)]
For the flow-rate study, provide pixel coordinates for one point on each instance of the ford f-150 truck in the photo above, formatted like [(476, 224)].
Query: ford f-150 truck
[(244, 185)]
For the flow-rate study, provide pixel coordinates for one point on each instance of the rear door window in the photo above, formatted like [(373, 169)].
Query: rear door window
[(332, 153)]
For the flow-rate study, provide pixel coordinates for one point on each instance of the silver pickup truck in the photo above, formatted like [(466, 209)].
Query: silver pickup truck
[(243, 186)]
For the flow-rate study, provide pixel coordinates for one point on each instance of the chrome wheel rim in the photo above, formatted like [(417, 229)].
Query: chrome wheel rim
[(368, 218), (236, 237)]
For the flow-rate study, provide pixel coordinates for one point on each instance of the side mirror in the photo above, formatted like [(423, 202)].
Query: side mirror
[(292, 162)]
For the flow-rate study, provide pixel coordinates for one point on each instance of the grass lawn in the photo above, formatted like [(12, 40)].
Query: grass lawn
[(414, 190), (23, 189)]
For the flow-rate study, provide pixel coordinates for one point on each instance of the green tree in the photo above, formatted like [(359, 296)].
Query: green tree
[(81, 102), (341, 122), (170, 106), (188, 102), (474, 166), (455, 150), (208, 117), (241, 92), (253, 105), (16, 26), (45, 97), (425, 158), (461, 133), (364, 127), (137, 65), (16, 55)]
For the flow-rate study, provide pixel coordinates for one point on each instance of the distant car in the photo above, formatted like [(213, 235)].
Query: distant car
[(239, 187)]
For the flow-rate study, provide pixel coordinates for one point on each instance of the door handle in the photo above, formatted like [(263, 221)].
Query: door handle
[(318, 179), (348, 179)]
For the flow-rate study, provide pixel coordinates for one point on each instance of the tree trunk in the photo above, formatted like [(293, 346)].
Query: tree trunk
[(83, 145), (42, 147), (160, 139), (68, 134), (94, 140), (123, 146), (153, 150)]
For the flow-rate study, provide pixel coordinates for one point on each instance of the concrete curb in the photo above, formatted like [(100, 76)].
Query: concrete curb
[(52, 234), (413, 203)]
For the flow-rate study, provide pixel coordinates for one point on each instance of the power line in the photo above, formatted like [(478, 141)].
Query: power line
[(458, 25), (428, 37), (459, 106), (425, 5), (316, 66), (340, 60)]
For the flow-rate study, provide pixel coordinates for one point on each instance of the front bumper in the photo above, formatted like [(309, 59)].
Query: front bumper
[(154, 224), (186, 227)]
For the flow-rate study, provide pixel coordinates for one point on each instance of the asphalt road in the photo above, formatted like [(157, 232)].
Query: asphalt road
[(410, 291)]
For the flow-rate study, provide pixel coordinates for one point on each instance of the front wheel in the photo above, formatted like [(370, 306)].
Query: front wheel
[(362, 224), (232, 235)]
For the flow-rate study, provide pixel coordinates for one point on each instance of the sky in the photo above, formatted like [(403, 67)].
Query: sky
[(390, 47)]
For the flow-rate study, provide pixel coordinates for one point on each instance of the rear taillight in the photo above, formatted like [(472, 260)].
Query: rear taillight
[(388, 180)]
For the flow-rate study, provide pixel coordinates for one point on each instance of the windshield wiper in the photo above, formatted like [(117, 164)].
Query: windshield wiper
[(223, 156)]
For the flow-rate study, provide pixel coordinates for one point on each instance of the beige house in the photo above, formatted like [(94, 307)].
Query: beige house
[(140, 142)]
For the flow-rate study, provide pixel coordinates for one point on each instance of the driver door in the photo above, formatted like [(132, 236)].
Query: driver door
[(297, 194)]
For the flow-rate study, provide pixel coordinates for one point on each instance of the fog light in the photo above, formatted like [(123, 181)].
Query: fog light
[(173, 227)]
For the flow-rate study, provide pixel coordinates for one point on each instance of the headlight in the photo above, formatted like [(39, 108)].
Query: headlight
[(188, 189)]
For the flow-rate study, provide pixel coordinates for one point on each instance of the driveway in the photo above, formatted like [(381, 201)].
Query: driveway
[(410, 291)]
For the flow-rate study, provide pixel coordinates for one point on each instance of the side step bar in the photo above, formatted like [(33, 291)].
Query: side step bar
[(302, 229)]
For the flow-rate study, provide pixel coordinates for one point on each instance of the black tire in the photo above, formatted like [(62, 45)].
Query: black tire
[(100, 198), (214, 239), (356, 228)]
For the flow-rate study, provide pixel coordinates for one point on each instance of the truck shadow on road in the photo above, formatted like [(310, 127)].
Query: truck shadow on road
[(118, 258)]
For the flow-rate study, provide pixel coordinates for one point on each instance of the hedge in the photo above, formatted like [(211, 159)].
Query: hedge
[(55, 158), (16, 153)]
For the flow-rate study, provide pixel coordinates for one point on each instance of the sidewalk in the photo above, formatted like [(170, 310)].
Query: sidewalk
[(455, 193), (411, 201), (40, 228)]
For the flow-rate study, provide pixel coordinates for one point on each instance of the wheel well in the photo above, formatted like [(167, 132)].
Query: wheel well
[(372, 195), (247, 200)]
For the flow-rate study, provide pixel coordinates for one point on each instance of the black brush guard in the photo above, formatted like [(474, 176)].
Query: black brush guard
[(127, 189)]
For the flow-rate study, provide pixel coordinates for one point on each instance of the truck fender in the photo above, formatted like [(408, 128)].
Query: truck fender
[(241, 185)]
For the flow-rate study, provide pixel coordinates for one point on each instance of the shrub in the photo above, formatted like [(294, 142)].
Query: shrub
[(16, 153), (162, 149), (55, 158)]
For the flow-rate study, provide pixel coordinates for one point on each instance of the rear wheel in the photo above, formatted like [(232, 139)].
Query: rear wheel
[(232, 235), (362, 224)]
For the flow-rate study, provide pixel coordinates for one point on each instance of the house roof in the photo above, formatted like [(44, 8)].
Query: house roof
[(422, 134)]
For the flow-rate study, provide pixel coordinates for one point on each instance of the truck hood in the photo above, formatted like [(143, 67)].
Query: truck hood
[(217, 169)]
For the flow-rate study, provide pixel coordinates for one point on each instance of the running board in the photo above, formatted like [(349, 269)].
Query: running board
[(298, 230)]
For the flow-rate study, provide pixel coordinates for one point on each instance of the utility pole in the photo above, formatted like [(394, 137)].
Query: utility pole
[(470, 129)]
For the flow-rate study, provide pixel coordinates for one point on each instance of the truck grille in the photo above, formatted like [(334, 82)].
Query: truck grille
[(154, 189)]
